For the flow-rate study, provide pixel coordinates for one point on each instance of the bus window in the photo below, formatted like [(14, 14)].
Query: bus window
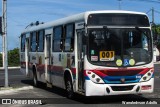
[(33, 42), (41, 41), (57, 41), (23, 37), (69, 39)]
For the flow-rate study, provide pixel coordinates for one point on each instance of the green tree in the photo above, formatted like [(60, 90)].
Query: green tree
[(156, 35), (158, 29), (13, 57)]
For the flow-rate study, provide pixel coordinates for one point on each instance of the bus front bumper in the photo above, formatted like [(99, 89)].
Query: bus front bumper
[(93, 89)]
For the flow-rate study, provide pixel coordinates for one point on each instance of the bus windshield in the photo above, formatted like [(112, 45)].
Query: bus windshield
[(119, 46)]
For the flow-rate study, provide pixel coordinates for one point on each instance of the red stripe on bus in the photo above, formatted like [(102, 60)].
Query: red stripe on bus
[(120, 72), (73, 71)]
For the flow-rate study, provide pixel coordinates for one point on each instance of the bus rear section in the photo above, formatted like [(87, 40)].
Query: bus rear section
[(119, 56)]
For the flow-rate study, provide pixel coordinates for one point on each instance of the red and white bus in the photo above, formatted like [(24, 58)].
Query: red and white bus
[(95, 53)]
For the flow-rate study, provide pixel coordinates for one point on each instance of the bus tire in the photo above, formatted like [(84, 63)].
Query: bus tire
[(69, 88), (35, 81)]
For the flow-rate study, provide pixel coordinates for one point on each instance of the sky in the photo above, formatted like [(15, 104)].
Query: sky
[(21, 13)]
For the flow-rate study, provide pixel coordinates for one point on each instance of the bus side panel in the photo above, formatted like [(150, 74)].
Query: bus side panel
[(40, 65), (33, 61), (22, 63), (57, 69), (60, 63)]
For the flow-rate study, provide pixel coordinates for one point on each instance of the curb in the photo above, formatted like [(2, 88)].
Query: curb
[(11, 90)]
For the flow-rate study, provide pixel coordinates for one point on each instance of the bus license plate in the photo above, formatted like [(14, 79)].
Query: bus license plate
[(107, 55)]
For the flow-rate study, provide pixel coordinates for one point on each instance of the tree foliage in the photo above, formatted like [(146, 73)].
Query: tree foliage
[(158, 29), (155, 31), (156, 35), (13, 58)]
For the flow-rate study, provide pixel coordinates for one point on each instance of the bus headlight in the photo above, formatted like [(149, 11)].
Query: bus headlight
[(147, 76), (94, 77)]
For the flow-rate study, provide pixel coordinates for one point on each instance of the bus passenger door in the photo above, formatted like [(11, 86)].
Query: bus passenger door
[(48, 58), (80, 59)]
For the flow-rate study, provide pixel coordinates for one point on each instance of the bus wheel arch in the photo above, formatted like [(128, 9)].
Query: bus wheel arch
[(68, 80)]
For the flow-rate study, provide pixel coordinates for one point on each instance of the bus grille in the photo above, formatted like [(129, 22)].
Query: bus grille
[(122, 88), (117, 79)]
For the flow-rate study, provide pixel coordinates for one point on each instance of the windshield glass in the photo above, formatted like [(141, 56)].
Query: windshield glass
[(119, 47)]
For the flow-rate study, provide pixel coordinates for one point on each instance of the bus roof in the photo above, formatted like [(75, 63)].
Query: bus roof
[(75, 18), (115, 11)]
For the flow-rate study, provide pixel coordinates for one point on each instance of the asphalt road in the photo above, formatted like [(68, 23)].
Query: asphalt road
[(57, 96), (15, 78)]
